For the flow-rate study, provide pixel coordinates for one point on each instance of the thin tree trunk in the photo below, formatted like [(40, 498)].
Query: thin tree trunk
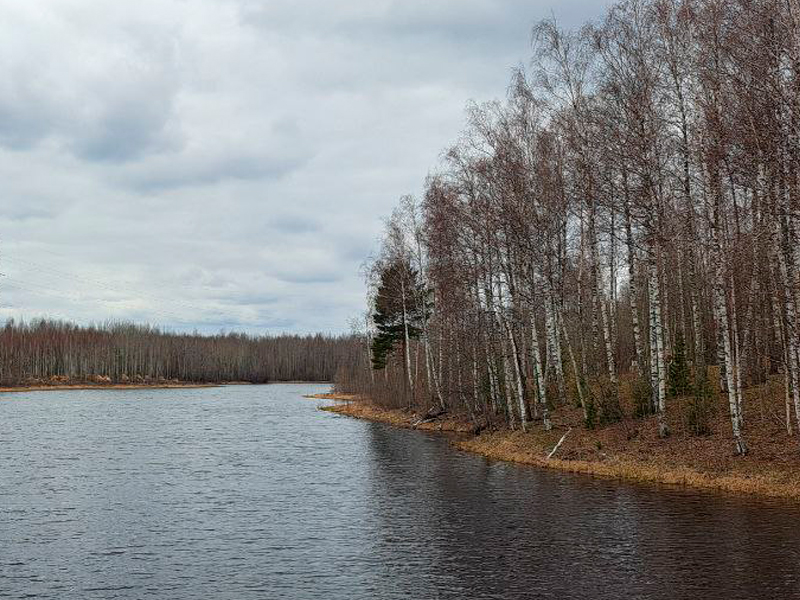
[(633, 294), (554, 364), (657, 363), (541, 391), (721, 312)]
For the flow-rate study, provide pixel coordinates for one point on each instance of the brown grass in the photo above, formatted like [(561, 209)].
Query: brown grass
[(361, 409), (631, 450), (332, 396), (527, 449), (104, 386)]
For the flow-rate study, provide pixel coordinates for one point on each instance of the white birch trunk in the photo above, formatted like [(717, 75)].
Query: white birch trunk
[(407, 344), (554, 364), (612, 269), (721, 314), (781, 337), (576, 373), (508, 377), (790, 328), (739, 353), (541, 391), (475, 385), (599, 300), (430, 368), (657, 362), (633, 292), (519, 385)]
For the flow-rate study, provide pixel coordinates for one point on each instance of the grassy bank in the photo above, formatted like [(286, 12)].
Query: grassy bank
[(358, 408), (105, 386), (630, 450)]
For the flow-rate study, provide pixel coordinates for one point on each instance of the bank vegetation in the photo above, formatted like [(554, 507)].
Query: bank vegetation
[(612, 248)]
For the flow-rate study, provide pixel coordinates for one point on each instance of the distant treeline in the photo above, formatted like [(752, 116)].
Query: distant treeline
[(51, 351)]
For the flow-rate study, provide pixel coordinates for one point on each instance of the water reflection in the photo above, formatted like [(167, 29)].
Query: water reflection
[(490, 530)]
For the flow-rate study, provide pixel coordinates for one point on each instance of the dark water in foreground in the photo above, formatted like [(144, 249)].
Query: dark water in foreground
[(249, 492)]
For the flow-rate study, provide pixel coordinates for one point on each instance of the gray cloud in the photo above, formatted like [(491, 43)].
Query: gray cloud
[(101, 87), (227, 163)]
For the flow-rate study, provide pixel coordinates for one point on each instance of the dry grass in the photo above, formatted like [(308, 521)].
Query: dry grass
[(632, 450), (361, 409), (528, 449), (104, 386), (332, 396)]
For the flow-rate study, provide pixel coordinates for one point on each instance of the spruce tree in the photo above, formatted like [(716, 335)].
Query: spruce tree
[(678, 374), (396, 311)]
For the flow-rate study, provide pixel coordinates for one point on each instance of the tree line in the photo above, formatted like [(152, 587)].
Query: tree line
[(624, 223), (45, 351)]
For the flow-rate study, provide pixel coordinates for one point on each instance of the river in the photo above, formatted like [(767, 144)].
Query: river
[(250, 492)]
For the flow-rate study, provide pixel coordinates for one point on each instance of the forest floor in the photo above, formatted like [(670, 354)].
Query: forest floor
[(632, 449)]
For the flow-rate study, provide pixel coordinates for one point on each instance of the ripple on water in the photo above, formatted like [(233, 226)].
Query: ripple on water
[(250, 492)]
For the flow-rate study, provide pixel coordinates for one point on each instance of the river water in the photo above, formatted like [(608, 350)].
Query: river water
[(251, 492)]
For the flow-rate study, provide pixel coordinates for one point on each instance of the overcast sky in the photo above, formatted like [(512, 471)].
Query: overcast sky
[(226, 164)]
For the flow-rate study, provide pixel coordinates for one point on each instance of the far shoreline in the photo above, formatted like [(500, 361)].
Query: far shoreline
[(177, 385), (103, 386)]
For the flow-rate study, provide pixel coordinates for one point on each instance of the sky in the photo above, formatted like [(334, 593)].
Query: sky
[(226, 165)]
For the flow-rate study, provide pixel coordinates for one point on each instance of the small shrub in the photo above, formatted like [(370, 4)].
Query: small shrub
[(602, 404), (578, 389), (700, 407), (610, 409), (551, 388), (591, 412), (642, 393), (678, 378)]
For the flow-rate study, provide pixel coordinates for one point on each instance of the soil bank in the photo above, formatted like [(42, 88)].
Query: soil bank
[(630, 451)]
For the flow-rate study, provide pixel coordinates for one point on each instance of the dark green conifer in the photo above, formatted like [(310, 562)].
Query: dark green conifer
[(397, 308), (679, 380)]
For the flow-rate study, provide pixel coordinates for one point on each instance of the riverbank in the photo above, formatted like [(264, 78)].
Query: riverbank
[(358, 408), (102, 385), (108, 386), (630, 451)]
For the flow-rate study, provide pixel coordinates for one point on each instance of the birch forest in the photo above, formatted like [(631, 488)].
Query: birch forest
[(617, 238), (53, 352)]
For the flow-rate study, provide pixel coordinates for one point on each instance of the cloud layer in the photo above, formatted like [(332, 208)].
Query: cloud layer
[(225, 164)]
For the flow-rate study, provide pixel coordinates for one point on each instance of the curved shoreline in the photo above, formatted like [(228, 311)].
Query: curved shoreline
[(533, 448)]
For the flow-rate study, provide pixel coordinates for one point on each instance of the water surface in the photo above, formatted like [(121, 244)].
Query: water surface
[(251, 492)]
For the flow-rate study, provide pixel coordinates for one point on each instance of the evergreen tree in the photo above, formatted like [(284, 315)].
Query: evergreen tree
[(642, 392), (700, 408), (397, 316), (679, 378)]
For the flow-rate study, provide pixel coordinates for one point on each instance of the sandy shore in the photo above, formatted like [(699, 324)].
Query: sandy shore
[(613, 452)]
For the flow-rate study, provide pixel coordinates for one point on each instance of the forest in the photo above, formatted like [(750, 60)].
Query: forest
[(618, 236), (52, 352)]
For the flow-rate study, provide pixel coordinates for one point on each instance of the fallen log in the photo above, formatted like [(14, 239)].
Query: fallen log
[(558, 445)]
